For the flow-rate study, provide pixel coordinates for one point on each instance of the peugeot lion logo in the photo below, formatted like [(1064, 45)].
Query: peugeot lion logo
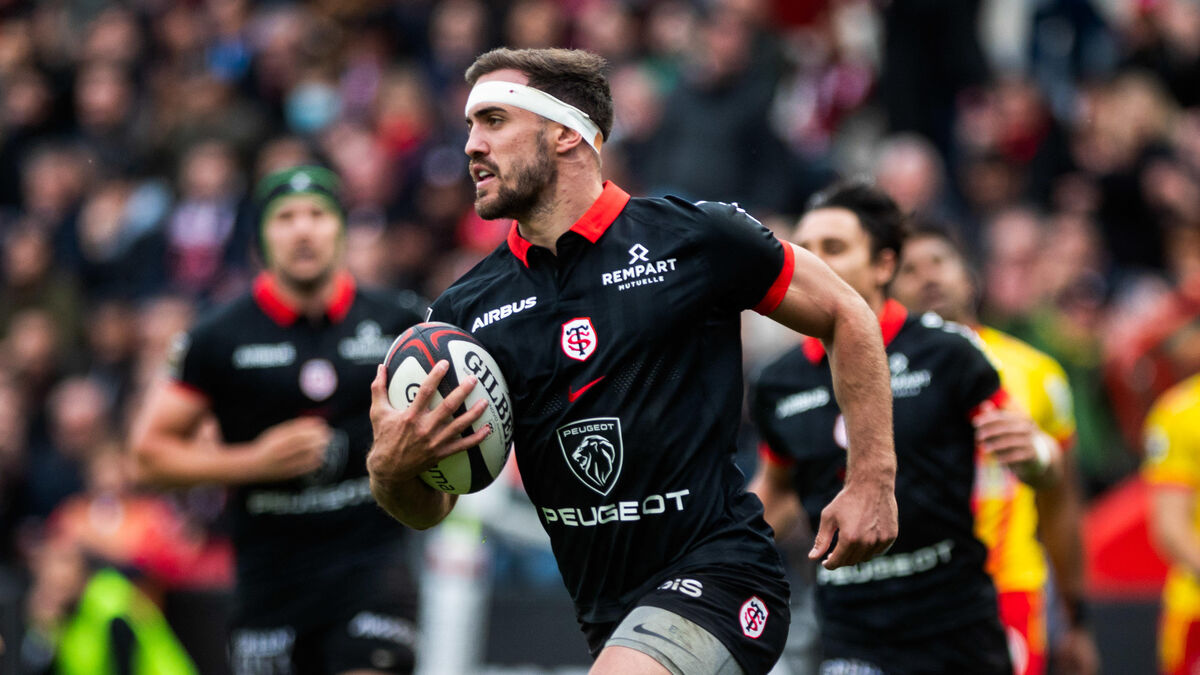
[(594, 458), (592, 449)]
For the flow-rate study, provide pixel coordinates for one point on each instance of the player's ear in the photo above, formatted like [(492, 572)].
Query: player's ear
[(566, 138), (886, 266)]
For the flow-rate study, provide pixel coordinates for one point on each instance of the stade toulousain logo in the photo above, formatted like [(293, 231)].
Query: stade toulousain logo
[(753, 617), (579, 338)]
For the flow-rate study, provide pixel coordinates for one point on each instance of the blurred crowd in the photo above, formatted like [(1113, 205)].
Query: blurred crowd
[(1062, 137)]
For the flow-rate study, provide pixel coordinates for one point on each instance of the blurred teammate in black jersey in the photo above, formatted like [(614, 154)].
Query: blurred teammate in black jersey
[(285, 370), (927, 605), (616, 323)]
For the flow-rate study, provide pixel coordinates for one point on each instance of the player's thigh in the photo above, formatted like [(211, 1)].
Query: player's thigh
[(380, 639), (615, 660), (654, 641)]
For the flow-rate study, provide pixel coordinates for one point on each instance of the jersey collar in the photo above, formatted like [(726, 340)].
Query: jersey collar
[(594, 223), (890, 321), (272, 302)]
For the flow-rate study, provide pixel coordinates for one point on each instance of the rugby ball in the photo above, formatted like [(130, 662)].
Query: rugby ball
[(410, 359)]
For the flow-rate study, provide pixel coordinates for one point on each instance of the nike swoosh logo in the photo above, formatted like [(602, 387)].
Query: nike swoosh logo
[(572, 396), (641, 628)]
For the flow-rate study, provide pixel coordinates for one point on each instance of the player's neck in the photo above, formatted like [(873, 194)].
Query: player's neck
[(964, 318), (308, 301), (876, 302), (574, 193)]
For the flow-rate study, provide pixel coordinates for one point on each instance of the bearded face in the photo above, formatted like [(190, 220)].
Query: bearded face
[(522, 186)]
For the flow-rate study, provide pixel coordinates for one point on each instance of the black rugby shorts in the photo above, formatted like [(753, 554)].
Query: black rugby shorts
[(378, 633), (747, 612), (979, 648)]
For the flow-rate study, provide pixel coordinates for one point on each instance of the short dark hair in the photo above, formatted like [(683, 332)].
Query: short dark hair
[(573, 76), (931, 227), (876, 211), (927, 226)]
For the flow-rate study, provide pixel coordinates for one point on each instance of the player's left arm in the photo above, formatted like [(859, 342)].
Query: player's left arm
[(817, 302), (1060, 510)]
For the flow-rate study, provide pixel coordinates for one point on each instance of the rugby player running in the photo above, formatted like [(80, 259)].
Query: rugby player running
[(928, 606), (624, 364), (1010, 514), (321, 582)]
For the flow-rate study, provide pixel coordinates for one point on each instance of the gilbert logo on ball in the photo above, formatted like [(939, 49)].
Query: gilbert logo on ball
[(412, 356)]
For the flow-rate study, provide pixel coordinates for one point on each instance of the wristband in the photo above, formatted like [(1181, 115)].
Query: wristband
[(1044, 449)]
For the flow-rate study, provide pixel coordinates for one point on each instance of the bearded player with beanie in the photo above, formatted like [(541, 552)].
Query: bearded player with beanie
[(285, 370)]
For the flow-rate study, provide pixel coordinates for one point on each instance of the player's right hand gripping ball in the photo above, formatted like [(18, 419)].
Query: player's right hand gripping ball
[(411, 358)]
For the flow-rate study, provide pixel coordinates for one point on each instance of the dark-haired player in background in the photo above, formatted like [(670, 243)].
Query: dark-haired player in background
[(621, 347), (285, 370), (1010, 516), (927, 605)]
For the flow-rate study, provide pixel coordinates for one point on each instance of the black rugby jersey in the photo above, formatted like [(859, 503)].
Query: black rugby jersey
[(623, 356), (933, 577), (258, 364)]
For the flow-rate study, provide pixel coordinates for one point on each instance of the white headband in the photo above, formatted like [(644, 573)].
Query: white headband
[(538, 102)]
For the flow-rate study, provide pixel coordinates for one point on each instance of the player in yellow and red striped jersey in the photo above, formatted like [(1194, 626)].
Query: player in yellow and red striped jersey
[(1172, 468), (1019, 525)]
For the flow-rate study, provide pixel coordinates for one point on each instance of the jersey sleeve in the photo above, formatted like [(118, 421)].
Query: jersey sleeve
[(192, 364), (749, 267), (1172, 453), (978, 380), (442, 310)]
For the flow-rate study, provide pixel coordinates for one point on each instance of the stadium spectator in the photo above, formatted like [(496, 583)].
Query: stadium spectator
[(85, 618)]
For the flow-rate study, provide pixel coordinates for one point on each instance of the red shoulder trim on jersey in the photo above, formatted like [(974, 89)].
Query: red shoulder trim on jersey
[(189, 389), (518, 244), (268, 297), (591, 225), (891, 320), (596, 221), (771, 457), (770, 301), (342, 297), (813, 349)]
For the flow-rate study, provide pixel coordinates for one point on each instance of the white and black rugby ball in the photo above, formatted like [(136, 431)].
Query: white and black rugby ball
[(410, 359)]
